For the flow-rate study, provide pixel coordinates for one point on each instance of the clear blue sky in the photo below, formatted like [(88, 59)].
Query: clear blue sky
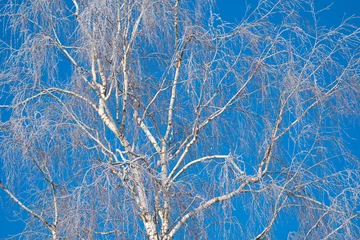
[(231, 10)]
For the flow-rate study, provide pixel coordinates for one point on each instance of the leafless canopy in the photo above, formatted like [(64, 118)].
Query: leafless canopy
[(144, 119)]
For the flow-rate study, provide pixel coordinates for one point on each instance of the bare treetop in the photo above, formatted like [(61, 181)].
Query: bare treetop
[(139, 119)]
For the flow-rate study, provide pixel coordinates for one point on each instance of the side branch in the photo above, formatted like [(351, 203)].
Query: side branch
[(315, 103), (146, 130), (211, 202), (31, 212), (50, 91), (208, 120), (203, 159), (177, 73)]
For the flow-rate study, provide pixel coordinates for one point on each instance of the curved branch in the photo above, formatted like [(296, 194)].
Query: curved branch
[(203, 159)]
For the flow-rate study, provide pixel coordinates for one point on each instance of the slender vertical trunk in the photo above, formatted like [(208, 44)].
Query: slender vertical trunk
[(54, 235), (150, 227)]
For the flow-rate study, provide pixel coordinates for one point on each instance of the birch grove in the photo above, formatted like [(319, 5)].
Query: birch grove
[(145, 119)]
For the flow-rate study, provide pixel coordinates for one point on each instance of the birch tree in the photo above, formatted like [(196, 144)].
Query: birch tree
[(141, 119)]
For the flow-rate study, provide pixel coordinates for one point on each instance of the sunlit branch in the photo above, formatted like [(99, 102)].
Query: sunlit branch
[(208, 120), (31, 212), (321, 99), (48, 92), (84, 127), (211, 202), (203, 159), (147, 132), (346, 222), (47, 176), (60, 46), (271, 223), (76, 8)]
